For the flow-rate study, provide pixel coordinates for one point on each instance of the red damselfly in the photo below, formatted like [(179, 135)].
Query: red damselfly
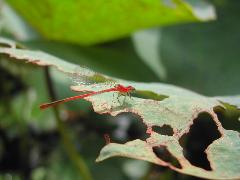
[(87, 78)]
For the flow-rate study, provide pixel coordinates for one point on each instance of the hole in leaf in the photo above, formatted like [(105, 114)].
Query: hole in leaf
[(130, 127), (201, 134), (137, 129), (163, 153), (229, 117), (164, 130)]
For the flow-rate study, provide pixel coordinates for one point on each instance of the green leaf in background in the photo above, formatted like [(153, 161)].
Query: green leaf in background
[(147, 44), (85, 22), (205, 57), (180, 110)]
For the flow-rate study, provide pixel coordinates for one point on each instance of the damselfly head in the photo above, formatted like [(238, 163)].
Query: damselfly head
[(124, 89), (131, 88)]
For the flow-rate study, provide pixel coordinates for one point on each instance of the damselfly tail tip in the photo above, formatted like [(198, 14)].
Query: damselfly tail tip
[(51, 104), (44, 106)]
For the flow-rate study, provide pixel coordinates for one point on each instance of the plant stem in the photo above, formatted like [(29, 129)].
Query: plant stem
[(66, 140)]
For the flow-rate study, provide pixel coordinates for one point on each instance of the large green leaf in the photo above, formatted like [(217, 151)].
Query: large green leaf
[(86, 22), (158, 105)]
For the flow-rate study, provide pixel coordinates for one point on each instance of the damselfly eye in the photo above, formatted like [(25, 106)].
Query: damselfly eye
[(131, 88)]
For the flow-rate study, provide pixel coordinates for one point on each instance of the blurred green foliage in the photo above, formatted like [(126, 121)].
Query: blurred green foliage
[(199, 56)]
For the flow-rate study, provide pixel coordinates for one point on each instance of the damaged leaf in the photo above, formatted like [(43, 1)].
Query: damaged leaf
[(158, 105)]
